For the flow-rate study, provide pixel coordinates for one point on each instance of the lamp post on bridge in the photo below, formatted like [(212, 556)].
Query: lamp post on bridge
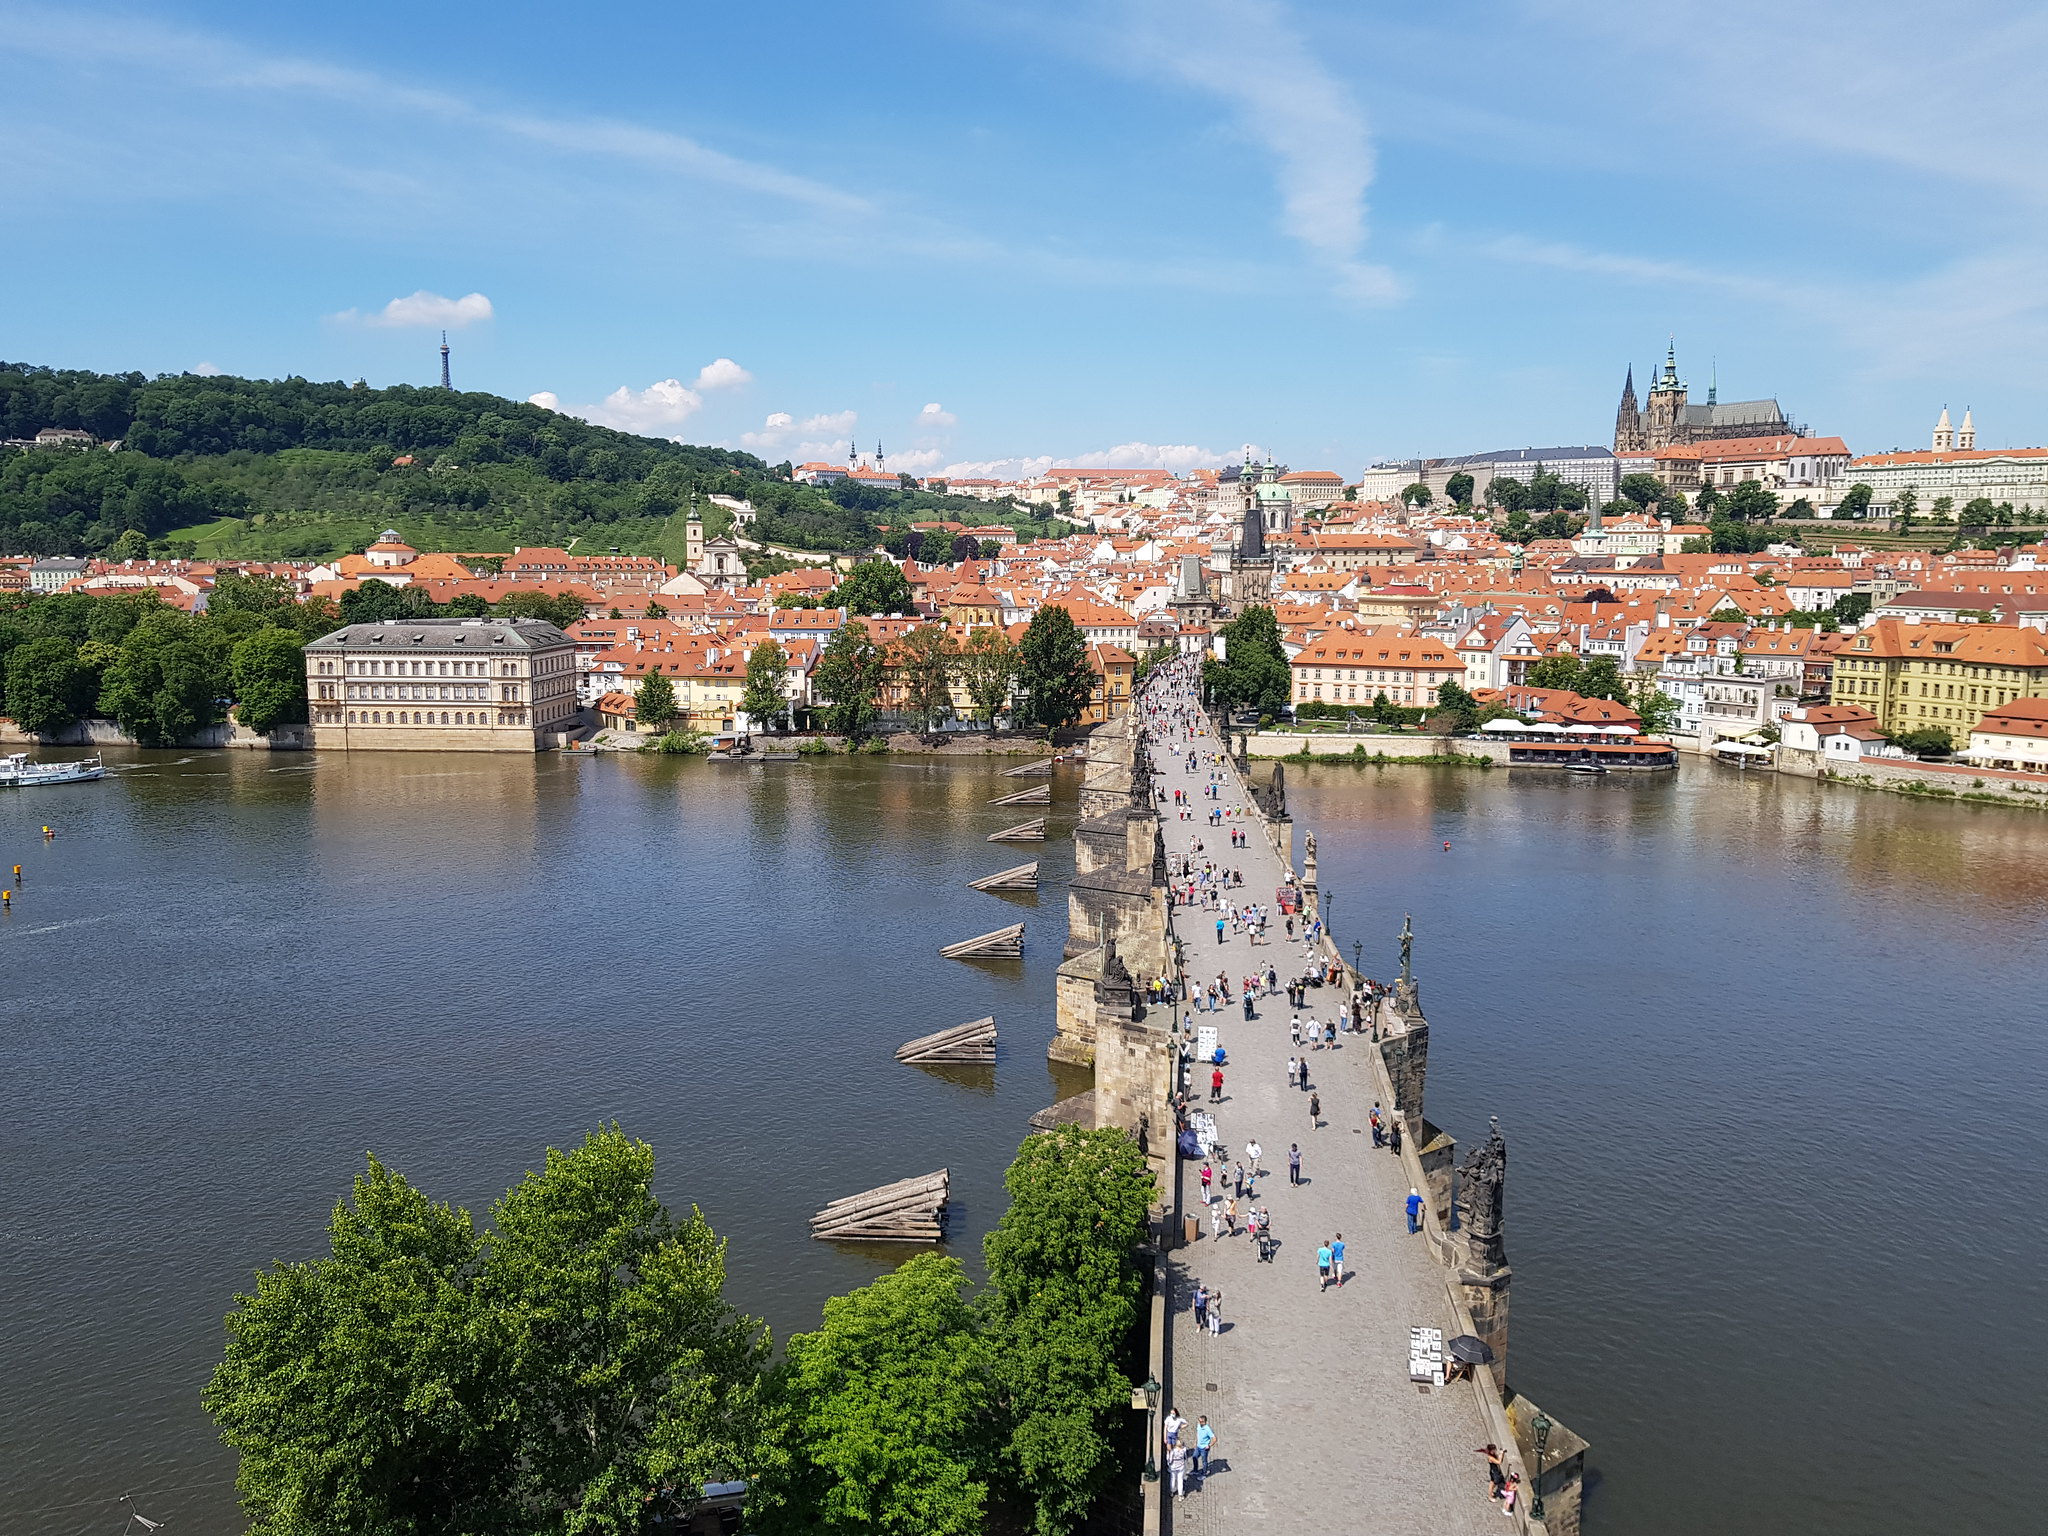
[(1542, 1428), (1151, 1391)]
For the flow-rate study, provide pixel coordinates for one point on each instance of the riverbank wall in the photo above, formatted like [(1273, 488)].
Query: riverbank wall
[(1399, 748), (108, 733)]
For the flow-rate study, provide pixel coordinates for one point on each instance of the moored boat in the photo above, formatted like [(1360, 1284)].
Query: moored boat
[(17, 772)]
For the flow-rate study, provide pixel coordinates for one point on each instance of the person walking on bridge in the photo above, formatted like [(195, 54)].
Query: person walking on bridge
[(1414, 1211)]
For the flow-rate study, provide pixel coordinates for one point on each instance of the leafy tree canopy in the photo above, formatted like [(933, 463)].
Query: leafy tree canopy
[(1054, 668)]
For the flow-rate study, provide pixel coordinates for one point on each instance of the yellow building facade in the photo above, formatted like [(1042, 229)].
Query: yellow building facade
[(1945, 676)]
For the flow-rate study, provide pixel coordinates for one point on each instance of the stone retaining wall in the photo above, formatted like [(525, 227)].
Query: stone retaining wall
[(108, 733), (1334, 744)]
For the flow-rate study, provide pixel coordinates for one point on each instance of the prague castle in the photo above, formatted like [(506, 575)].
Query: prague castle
[(1667, 418)]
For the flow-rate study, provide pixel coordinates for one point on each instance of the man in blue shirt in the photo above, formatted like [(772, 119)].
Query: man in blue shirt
[(1337, 1260), (1414, 1211), (1204, 1438)]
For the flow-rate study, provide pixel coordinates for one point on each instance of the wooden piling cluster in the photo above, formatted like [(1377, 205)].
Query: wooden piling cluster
[(1038, 794), (975, 1042), (1023, 832), (1023, 878), (1002, 944), (908, 1211)]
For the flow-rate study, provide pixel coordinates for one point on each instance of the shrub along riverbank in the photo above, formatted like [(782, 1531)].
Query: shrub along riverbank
[(575, 1366)]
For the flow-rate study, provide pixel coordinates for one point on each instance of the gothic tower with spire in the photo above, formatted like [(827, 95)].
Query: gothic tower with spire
[(1967, 438), (1628, 421), (1944, 434), (1665, 421)]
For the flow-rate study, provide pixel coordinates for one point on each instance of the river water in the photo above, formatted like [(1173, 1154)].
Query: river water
[(1768, 1058)]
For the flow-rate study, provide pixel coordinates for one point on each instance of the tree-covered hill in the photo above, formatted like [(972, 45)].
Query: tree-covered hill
[(292, 467)]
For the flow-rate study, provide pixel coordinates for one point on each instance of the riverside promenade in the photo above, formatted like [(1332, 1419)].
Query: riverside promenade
[(1318, 1428)]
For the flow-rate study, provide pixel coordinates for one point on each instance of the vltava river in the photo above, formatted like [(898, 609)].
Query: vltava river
[(1768, 1057)]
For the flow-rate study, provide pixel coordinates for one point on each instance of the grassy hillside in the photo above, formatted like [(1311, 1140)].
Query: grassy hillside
[(293, 469)]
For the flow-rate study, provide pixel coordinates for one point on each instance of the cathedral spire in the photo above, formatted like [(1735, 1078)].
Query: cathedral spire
[(1967, 438), (1944, 434)]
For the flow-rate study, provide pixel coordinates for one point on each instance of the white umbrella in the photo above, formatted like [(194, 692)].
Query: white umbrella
[(1505, 725), (1549, 726), (1582, 730), (1618, 730)]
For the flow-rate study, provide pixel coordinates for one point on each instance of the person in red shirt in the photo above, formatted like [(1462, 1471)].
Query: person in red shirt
[(1216, 1086)]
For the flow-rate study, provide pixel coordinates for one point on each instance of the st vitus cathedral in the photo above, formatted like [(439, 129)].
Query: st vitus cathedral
[(1668, 418)]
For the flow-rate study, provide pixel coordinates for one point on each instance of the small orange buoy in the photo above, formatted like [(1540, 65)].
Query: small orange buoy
[(48, 834), (6, 898)]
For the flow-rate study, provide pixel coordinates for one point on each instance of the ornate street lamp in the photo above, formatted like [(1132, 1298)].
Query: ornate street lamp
[(1542, 1428), (1151, 1391)]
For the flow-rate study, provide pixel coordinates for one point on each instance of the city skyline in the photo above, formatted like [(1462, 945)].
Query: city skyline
[(1093, 233)]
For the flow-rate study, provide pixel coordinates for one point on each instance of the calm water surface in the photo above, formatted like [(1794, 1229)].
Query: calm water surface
[(1769, 1059)]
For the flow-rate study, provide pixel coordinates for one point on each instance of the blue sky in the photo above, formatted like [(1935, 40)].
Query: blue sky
[(1071, 230)]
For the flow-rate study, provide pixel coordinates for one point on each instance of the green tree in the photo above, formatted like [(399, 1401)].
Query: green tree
[(559, 608), (1459, 488), (468, 605), (1904, 505), (1645, 490), (1978, 510), (624, 1371), (47, 689), (234, 592), (1751, 501), (767, 671), (938, 547), (1253, 672), (1560, 669), (1600, 678), (1855, 502), (356, 1389), (988, 671), (849, 677), (268, 674), (1456, 709), (928, 658), (654, 610), (1944, 508), (1053, 666), (1927, 741), (1558, 525), (133, 544), (1707, 502), (873, 587), (373, 601), (882, 1419), (654, 702), (1417, 495), (1658, 710), (167, 683), (1064, 1289)]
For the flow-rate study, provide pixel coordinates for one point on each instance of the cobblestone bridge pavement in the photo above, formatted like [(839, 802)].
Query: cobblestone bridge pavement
[(1318, 1428)]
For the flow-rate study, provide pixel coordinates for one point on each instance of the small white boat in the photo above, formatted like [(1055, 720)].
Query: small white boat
[(17, 772)]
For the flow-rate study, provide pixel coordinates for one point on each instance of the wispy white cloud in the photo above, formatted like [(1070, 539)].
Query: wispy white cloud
[(659, 410), (783, 433), (207, 61), (206, 370), (424, 309), (1253, 58), (1178, 457), (935, 417)]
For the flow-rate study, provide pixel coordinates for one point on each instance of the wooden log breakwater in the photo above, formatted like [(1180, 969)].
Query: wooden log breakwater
[(1023, 878), (1002, 944), (908, 1211), (1023, 832), (975, 1042), (1042, 769), (1038, 794)]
